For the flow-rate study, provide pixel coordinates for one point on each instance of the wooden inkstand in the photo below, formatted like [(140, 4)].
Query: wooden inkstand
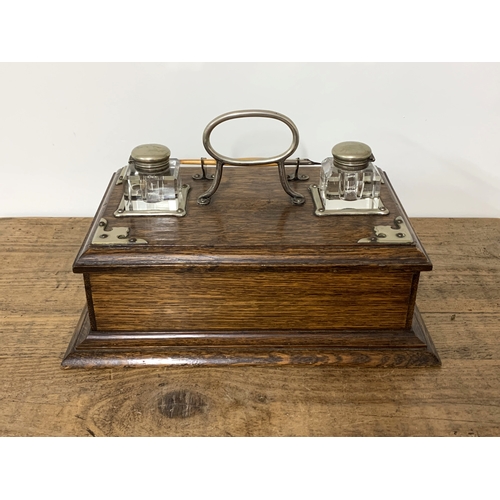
[(228, 271)]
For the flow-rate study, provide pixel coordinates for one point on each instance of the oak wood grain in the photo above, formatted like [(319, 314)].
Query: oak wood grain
[(41, 301), (250, 221), (260, 299), (373, 348), (256, 277)]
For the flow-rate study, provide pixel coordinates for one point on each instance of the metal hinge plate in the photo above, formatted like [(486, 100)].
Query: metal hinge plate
[(118, 235), (400, 235)]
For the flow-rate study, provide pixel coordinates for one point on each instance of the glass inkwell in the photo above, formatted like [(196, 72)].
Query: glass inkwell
[(152, 183), (349, 182)]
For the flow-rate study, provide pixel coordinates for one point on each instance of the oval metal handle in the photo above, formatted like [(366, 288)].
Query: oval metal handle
[(222, 160), (250, 113)]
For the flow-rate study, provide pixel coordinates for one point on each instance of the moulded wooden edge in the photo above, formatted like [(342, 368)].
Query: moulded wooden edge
[(92, 258), (423, 354)]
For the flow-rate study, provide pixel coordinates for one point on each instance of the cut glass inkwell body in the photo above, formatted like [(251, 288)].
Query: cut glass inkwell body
[(349, 182), (152, 183)]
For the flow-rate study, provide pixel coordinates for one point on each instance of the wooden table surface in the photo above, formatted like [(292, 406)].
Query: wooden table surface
[(41, 301)]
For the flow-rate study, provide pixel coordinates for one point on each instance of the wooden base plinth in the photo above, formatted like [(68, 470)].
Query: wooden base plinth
[(376, 348)]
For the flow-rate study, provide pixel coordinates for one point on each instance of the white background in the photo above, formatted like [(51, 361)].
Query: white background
[(66, 127)]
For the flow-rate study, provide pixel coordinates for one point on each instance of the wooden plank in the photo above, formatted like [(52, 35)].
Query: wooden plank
[(260, 299), (374, 348), (38, 398)]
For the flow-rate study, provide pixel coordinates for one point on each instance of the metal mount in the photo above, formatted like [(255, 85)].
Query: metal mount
[(122, 175), (203, 176), (123, 211), (320, 210), (400, 235), (296, 162), (297, 198), (114, 236)]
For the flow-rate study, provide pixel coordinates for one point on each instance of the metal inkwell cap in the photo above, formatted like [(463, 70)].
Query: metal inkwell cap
[(151, 158), (352, 155)]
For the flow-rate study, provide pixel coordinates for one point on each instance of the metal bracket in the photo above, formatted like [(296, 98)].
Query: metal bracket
[(123, 211), (320, 209), (203, 176), (298, 162), (114, 236), (387, 234), (121, 176)]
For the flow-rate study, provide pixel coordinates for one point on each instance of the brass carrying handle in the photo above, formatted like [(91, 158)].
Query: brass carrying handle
[(221, 160)]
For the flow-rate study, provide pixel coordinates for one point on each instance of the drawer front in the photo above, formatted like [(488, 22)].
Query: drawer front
[(217, 299)]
